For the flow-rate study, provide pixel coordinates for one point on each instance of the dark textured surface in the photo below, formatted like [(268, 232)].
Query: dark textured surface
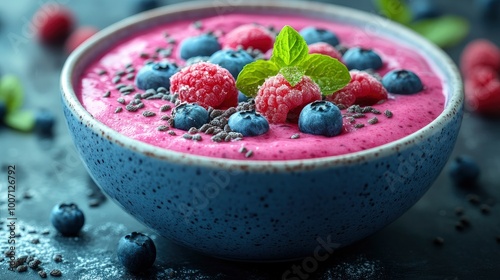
[(50, 171)]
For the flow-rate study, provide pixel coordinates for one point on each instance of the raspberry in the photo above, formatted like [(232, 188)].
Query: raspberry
[(207, 84), (249, 36), (326, 49), (53, 22), (278, 101), (480, 52), (482, 91), (363, 89), (78, 37)]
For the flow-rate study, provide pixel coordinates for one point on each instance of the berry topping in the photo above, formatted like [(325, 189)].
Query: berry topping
[(78, 36), (68, 219), (188, 115), (207, 84), (362, 59), (54, 23), (464, 170), (482, 91), (402, 82), (136, 251), (44, 122), (278, 101), (248, 123), (249, 36), (202, 45), (481, 53), (232, 60), (155, 75), (363, 90), (326, 49), (315, 35), (321, 118)]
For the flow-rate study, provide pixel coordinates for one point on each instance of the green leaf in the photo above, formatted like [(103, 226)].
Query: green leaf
[(11, 92), (292, 74), (395, 10), (254, 75), (444, 31), (290, 48), (21, 120), (329, 73)]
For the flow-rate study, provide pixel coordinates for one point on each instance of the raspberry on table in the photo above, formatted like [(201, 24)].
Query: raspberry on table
[(249, 36), (207, 84), (482, 91), (278, 101), (54, 23), (480, 52), (363, 89), (326, 49)]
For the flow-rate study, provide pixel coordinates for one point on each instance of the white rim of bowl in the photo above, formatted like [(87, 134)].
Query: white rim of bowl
[(454, 100)]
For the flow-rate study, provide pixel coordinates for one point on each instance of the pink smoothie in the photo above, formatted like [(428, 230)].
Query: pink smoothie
[(410, 112)]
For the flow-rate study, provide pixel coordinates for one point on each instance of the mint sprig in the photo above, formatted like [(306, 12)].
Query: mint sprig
[(291, 58)]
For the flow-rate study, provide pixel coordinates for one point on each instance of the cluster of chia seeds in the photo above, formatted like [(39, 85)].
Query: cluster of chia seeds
[(355, 112)]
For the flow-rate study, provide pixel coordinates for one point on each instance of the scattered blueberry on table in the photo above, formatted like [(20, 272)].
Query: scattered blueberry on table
[(136, 251), (68, 219)]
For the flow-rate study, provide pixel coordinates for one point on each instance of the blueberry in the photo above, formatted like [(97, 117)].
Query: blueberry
[(202, 45), (44, 122), (464, 170), (321, 118), (488, 9), (68, 219), (188, 115), (232, 60), (155, 75), (136, 251), (248, 123), (362, 59), (424, 9), (402, 82), (315, 35), (3, 110), (242, 97)]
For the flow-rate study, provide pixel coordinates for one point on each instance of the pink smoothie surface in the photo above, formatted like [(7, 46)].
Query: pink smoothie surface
[(410, 112)]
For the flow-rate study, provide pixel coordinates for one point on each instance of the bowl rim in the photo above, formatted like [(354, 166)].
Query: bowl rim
[(454, 100)]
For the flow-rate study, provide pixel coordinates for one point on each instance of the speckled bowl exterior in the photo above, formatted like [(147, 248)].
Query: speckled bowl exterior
[(262, 210)]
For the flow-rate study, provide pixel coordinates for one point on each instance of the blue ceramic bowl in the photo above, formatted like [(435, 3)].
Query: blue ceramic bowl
[(262, 210)]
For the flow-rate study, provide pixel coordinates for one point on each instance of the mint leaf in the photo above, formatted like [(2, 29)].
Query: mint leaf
[(444, 31), (395, 10), (254, 75), (11, 92), (289, 48), (292, 74), (21, 120), (329, 73)]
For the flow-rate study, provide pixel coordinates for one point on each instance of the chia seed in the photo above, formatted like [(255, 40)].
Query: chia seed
[(146, 95), (101, 72), (121, 100), (197, 137), (140, 105), (204, 127), (366, 109), (131, 108), (197, 25), (127, 89), (34, 263), (116, 79), (295, 136), (171, 132), (187, 136), (351, 119), (359, 125), (161, 89), (341, 106), (166, 97), (216, 113), (130, 76), (156, 96), (388, 114), (171, 122), (118, 110), (485, 208), (227, 128), (107, 94), (373, 120), (162, 128), (120, 73), (42, 274), (35, 241), (354, 109), (165, 108), (358, 115), (249, 154), (148, 114), (56, 273), (119, 86), (165, 118), (171, 41), (193, 130), (137, 96), (375, 111), (130, 69), (144, 55), (243, 150), (22, 268), (58, 258), (210, 130)]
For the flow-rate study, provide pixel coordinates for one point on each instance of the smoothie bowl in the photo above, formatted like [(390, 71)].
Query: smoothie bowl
[(280, 191)]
